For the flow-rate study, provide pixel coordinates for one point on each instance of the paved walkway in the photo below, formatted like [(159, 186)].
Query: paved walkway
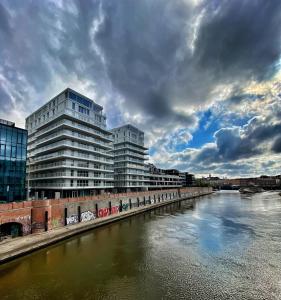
[(13, 248)]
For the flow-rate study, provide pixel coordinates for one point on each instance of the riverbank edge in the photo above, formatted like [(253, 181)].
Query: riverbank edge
[(25, 245)]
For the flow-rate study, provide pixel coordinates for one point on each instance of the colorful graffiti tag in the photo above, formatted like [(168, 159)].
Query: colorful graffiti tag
[(125, 206), (104, 212), (115, 209)]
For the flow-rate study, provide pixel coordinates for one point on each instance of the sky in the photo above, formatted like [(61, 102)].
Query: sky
[(202, 79)]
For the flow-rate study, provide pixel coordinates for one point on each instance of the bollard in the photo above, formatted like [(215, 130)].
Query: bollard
[(79, 213), (65, 216)]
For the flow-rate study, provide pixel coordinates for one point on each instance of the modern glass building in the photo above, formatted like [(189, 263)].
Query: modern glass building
[(13, 144)]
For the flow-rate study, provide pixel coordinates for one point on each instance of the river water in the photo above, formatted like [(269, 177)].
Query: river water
[(227, 247)]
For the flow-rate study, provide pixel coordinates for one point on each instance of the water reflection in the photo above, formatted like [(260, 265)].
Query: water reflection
[(226, 247)]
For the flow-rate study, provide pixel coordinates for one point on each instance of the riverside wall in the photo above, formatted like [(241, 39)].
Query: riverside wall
[(45, 215)]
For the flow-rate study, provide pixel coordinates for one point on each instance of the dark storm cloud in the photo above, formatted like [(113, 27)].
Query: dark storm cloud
[(233, 143), (240, 38), (276, 147), (151, 52), (151, 60), (4, 20), (140, 41)]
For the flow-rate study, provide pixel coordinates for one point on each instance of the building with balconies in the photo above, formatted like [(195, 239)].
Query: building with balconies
[(129, 157), (13, 143), (157, 178), (69, 148)]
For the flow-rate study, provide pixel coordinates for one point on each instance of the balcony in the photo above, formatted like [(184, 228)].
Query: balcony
[(131, 154), (67, 175), (73, 135), (61, 186), (68, 144), (69, 154), (130, 147), (64, 165), (129, 159), (73, 125)]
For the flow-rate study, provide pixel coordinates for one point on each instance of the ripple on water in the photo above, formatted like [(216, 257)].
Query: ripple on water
[(226, 247)]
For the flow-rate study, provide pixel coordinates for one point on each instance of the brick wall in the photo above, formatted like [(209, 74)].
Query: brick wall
[(41, 215)]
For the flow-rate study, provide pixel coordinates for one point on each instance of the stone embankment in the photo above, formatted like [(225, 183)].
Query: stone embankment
[(45, 222)]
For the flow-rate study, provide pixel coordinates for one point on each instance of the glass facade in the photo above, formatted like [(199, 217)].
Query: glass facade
[(13, 144)]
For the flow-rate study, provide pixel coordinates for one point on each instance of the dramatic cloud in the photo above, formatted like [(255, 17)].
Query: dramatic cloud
[(158, 64)]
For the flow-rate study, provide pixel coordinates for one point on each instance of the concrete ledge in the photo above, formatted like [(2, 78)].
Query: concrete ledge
[(23, 245)]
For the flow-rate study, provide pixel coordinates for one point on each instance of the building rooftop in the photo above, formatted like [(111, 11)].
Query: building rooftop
[(8, 123), (129, 126)]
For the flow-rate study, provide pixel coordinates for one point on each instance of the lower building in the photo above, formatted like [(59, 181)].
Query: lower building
[(187, 179), (157, 178), (129, 157), (13, 143)]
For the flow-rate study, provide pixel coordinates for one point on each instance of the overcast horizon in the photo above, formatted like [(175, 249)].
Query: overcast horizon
[(200, 78)]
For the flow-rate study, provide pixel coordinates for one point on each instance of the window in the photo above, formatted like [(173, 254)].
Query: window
[(2, 150), (82, 183), (82, 173), (73, 105), (80, 99), (83, 110), (14, 152)]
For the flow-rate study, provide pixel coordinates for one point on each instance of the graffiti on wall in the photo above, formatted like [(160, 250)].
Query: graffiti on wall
[(104, 212), (115, 209), (87, 216), (125, 206), (73, 219)]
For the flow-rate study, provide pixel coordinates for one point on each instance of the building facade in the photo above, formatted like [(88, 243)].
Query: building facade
[(187, 179), (157, 178), (129, 157), (13, 144), (69, 148)]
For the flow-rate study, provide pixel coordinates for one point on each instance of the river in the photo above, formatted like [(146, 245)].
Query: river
[(227, 247)]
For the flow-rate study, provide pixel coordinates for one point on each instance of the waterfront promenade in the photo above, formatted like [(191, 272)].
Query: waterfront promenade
[(19, 246)]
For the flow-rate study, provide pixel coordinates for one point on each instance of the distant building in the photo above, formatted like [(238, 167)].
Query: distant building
[(162, 178), (187, 179), (69, 148), (129, 157), (13, 143)]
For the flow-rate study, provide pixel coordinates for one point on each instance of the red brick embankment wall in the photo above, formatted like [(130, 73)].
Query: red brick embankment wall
[(41, 215)]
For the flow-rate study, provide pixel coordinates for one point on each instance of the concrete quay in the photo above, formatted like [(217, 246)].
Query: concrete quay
[(20, 246)]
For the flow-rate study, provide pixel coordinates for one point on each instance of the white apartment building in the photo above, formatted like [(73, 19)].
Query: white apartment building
[(129, 157), (69, 148), (157, 178)]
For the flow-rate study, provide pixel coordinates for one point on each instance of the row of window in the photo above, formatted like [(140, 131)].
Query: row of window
[(80, 99), (85, 111), (8, 152), (12, 135)]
